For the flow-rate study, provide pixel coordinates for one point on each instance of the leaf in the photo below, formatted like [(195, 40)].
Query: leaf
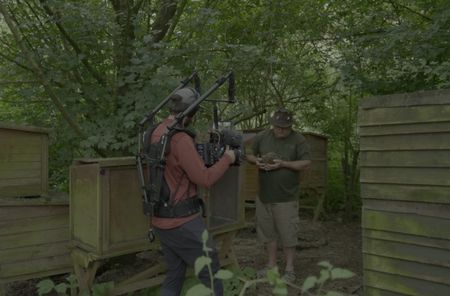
[(199, 290), (280, 290), (325, 264), (324, 276), (61, 288), (223, 274), (340, 273), (72, 280), (205, 236), (309, 283), (45, 286), (102, 289), (272, 275), (201, 262), (333, 293)]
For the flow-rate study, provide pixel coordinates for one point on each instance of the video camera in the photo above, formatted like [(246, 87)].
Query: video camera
[(213, 150)]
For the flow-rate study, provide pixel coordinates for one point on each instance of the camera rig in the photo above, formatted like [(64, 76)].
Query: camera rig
[(153, 160)]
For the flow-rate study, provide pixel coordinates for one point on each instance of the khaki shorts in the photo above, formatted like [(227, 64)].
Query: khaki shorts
[(278, 221)]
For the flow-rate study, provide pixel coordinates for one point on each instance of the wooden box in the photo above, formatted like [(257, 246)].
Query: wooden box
[(106, 216), (34, 238), (106, 206), (23, 161), (405, 191), (225, 208)]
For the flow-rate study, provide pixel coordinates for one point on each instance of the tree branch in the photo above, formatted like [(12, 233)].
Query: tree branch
[(176, 19), (394, 4), (165, 14)]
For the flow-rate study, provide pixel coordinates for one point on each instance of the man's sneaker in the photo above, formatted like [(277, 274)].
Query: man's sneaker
[(289, 276)]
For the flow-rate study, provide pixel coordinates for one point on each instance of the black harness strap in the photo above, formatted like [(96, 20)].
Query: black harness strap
[(157, 187)]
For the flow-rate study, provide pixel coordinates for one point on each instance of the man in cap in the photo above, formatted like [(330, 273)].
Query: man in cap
[(280, 154), (178, 229)]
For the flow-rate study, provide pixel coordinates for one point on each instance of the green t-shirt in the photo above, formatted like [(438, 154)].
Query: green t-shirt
[(280, 185)]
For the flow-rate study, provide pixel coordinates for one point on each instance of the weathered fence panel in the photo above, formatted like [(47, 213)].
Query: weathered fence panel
[(23, 161), (405, 187), (34, 238)]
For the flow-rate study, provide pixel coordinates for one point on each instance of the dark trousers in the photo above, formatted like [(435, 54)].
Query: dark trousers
[(181, 247)]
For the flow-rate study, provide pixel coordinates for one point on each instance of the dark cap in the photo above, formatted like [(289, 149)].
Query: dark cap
[(182, 99), (282, 118)]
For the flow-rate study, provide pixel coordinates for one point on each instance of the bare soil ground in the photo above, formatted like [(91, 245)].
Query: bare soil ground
[(335, 242)]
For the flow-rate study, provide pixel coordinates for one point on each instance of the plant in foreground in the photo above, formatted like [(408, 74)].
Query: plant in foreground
[(70, 287), (327, 273)]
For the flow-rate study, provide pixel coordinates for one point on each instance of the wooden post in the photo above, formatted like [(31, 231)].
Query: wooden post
[(85, 268)]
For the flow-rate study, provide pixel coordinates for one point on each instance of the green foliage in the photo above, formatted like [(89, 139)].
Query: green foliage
[(237, 282), (327, 273), (70, 287), (318, 58)]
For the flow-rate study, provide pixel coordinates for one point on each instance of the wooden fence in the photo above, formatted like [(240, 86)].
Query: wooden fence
[(405, 187)]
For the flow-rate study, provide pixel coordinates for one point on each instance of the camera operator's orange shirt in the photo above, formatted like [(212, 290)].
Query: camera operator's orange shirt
[(184, 171)]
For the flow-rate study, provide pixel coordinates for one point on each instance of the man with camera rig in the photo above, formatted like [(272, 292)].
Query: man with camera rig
[(178, 223), (280, 153)]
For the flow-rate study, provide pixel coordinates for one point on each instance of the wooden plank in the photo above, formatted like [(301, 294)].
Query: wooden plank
[(22, 148), (33, 224), (410, 128), (84, 204), (20, 165), (418, 158), (20, 191), (420, 98), (19, 157), (431, 194), (403, 115), (10, 140), (138, 285), (404, 285), (107, 162), (42, 274), (4, 126), (49, 249), (26, 211), (20, 182), (370, 291), (10, 174), (407, 252), (407, 239), (419, 208), (36, 266), (34, 238), (438, 141), (406, 223), (427, 272), (413, 176)]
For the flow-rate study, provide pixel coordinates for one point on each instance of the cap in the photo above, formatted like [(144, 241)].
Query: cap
[(282, 118), (182, 99)]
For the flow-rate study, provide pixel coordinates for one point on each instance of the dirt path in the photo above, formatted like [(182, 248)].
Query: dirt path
[(337, 243)]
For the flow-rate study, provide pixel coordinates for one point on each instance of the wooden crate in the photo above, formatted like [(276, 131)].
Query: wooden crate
[(23, 161), (405, 188), (106, 206), (34, 238)]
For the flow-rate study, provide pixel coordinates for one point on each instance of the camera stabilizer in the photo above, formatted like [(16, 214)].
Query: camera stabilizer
[(152, 183)]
